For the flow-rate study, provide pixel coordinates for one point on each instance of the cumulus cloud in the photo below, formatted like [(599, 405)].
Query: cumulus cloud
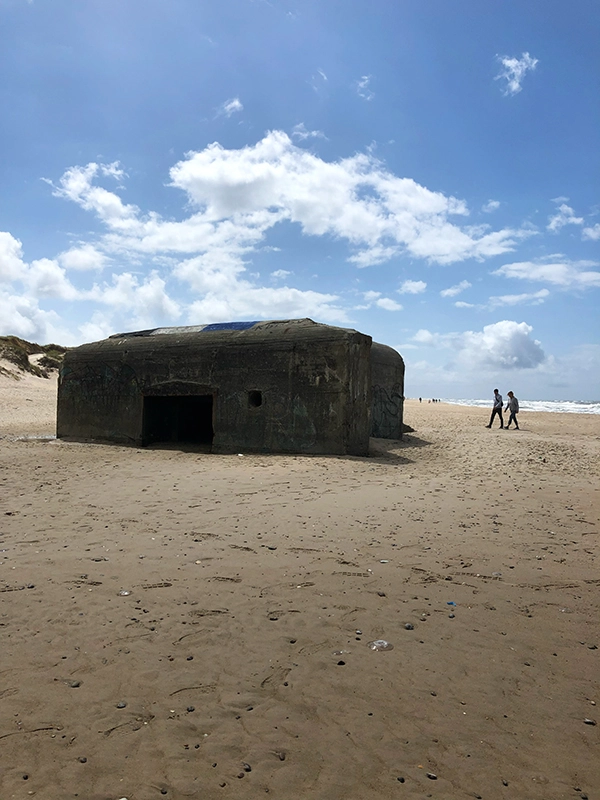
[(76, 184), (491, 205), (229, 107), (45, 278), (233, 198), (354, 199), (388, 304), (145, 301), (84, 257), (412, 287), (253, 302), (559, 271), (533, 298), (100, 326), (42, 278), (454, 290), (375, 299), (377, 254), (501, 345), (362, 87), (12, 267), (241, 194), (564, 216), (592, 233), (22, 316), (513, 71)]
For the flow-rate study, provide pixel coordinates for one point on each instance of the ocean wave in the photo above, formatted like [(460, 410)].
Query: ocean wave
[(553, 406)]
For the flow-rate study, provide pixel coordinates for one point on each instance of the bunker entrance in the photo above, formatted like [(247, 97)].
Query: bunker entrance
[(183, 419)]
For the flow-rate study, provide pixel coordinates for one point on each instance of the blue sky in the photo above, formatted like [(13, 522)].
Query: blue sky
[(423, 171)]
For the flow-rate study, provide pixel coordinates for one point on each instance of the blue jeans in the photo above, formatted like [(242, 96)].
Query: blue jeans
[(513, 418)]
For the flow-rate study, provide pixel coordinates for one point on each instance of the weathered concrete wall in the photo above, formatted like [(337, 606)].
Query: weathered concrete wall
[(314, 382), (387, 386)]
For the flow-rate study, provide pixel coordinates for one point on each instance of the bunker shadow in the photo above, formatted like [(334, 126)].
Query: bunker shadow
[(396, 451)]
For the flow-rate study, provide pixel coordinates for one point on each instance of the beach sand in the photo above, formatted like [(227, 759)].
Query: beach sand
[(182, 625)]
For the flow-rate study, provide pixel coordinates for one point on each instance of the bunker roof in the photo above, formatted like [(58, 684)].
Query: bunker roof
[(278, 327)]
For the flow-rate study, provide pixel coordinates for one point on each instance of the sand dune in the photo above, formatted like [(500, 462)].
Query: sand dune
[(186, 625)]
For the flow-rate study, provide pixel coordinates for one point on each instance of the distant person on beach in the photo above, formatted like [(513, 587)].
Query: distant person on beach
[(497, 409), (513, 406)]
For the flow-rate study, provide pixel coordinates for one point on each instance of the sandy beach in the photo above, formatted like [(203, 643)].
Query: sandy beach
[(184, 625)]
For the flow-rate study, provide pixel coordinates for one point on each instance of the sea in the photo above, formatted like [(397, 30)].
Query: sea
[(554, 406)]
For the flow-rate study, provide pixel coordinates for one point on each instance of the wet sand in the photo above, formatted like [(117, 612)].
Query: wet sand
[(176, 624)]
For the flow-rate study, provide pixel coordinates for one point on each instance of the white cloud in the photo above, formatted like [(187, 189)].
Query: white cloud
[(513, 70), (491, 205), (388, 304), (592, 233), (560, 272), (354, 199), (370, 296), (234, 199), (100, 326), (85, 257), (454, 290), (76, 185), (300, 132), (22, 316), (318, 81), (146, 303), (251, 302), (564, 216), (45, 278), (280, 274), (12, 267), (375, 299), (378, 254), (42, 278), (412, 287), (229, 107), (534, 298), (423, 336), (462, 304), (362, 88), (501, 345)]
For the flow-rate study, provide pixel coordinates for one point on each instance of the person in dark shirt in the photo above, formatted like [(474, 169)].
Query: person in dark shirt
[(497, 409)]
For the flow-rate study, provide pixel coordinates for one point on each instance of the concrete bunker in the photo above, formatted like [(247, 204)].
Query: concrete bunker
[(279, 386)]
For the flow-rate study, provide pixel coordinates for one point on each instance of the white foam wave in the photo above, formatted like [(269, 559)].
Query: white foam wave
[(553, 406)]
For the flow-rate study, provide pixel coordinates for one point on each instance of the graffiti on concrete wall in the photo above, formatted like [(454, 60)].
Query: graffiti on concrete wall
[(387, 412)]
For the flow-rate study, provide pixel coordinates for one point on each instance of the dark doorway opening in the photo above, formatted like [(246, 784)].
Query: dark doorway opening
[(183, 418)]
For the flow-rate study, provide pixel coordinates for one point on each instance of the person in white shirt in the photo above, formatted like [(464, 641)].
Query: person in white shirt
[(497, 409), (512, 406)]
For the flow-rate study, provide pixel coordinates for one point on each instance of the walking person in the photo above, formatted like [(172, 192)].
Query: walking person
[(513, 406), (497, 409)]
